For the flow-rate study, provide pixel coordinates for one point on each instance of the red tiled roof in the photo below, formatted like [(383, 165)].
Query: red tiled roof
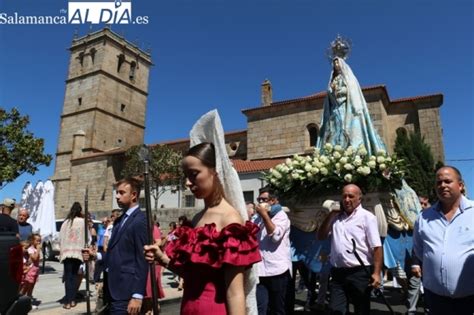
[(245, 166), (319, 95), (415, 98), (171, 142)]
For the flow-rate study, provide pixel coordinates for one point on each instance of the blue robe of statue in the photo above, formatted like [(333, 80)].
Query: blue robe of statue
[(346, 120)]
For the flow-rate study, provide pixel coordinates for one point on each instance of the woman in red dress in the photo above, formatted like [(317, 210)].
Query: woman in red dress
[(213, 255)]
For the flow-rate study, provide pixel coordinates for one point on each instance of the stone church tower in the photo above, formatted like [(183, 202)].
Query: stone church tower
[(103, 112)]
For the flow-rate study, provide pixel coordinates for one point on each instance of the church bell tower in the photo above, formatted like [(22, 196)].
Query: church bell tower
[(104, 107)]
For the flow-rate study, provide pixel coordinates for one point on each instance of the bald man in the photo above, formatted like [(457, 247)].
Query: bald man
[(25, 229), (443, 240), (349, 280)]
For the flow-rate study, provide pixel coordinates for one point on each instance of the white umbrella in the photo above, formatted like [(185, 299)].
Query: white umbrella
[(35, 203), (27, 196), (45, 221)]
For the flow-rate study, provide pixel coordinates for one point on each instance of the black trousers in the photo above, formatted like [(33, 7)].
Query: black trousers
[(271, 293), (71, 268), (349, 285), (442, 305)]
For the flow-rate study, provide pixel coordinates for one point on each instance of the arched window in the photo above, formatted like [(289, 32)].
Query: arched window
[(133, 67), (312, 137)]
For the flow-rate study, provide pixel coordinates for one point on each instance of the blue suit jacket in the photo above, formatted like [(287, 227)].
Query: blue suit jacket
[(125, 261)]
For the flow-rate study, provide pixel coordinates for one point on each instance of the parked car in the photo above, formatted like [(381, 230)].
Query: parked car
[(11, 271), (52, 248)]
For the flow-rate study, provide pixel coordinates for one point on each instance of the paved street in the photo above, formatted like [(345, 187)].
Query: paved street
[(49, 290)]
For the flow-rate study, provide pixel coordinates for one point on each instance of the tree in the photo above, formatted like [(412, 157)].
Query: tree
[(420, 175), (20, 151), (165, 169)]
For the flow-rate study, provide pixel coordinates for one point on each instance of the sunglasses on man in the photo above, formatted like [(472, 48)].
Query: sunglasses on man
[(263, 199)]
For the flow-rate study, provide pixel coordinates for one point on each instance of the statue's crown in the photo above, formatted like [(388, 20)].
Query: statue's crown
[(340, 47)]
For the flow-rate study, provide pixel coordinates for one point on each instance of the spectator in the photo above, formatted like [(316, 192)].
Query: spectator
[(25, 229), (72, 241), (32, 264), (274, 239), (443, 242), (7, 223)]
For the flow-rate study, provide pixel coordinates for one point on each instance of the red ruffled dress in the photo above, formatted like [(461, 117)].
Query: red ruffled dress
[(199, 255)]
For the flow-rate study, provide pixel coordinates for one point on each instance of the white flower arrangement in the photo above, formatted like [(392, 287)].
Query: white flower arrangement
[(328, 170)]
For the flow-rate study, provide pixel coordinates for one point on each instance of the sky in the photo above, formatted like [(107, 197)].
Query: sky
[(215, 54)]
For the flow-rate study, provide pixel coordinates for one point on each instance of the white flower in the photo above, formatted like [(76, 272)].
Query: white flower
[(337, 166), (388, 159), (381, 152), (344, 160), (357, 161), (380, 159), (273, 181), (324, 171), (288, 162), (373, 158), (307, 167), (349, 151), (372, 164), (382, 167), (348, 178), (295, 175), (328, 147), (362, 151), (363, 170), (316, 151), (336, 155), (348, 167), (276, 174), (338, 148), (315, 170)]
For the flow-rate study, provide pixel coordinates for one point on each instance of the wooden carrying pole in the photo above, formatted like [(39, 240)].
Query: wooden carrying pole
[(154, 291)]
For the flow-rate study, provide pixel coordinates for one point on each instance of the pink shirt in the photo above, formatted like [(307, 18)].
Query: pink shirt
[(275, 247), (361, 226)]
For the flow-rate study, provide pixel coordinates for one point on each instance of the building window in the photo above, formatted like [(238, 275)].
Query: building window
[(312, 134), (121, 60), (79, 101), (133, 68), (81, 58), (248, 196), (122, 107), (92, 53), (189, 201)]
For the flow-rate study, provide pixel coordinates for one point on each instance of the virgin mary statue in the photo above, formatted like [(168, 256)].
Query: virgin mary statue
[(346, 120)]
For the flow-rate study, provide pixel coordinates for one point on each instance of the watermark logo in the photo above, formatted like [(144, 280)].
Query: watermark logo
[(82, 12), (117, 12)]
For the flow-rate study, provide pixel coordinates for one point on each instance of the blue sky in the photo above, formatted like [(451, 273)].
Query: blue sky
[(215, 54)]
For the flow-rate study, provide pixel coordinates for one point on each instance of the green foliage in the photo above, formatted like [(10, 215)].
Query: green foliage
[(165, 168), (420, 166), (20, 151)]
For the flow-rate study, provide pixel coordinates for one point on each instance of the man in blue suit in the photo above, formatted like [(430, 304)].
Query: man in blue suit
[(124, 262)]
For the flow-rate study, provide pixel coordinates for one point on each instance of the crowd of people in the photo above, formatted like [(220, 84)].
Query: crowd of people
[(235, 257)]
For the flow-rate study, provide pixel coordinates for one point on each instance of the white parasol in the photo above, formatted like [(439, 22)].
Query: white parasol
[(27, 196), (45, 221), (34, 206)]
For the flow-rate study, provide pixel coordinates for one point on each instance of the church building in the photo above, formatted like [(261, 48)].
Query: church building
[(104, 114)]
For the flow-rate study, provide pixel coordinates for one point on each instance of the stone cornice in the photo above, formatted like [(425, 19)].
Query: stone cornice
[(105, 73), (91, 109)]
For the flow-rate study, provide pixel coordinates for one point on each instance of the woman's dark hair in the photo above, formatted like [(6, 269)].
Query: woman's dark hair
[(205, 152), (173, 225), (75, 212)]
